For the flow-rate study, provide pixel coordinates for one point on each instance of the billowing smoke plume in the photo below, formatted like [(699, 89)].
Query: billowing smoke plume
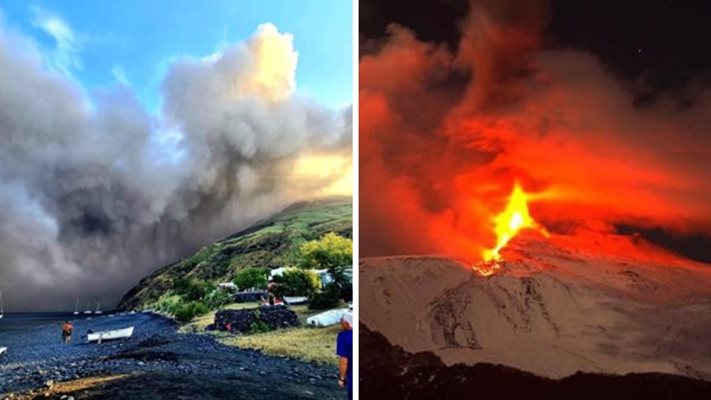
[(95, 192), (444, 135)]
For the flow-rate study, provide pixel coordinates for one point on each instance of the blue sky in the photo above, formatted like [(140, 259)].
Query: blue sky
[(103, 42)]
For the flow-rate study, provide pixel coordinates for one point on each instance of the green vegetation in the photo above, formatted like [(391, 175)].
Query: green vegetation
[(329, 297), (259, 327), (297, 282), (252, 278), (271, 243), (192, 289), (217, 298), (331, 252), (188, 310)]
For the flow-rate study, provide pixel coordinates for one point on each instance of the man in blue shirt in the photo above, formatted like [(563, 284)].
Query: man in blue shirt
[(344, 350)]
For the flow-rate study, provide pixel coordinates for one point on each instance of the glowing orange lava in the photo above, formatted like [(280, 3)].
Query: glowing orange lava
[(506, 225)]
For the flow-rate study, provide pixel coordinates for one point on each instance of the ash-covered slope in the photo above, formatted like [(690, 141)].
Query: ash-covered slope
[(601, 304)]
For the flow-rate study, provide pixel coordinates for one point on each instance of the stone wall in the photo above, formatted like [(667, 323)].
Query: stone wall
[(275, 317)]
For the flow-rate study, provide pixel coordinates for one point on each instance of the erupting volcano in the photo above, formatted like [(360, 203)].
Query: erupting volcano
[(608, 182), (507, 224)]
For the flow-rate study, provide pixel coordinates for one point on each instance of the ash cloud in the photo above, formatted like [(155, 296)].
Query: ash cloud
[(96, 192), (438, 160)]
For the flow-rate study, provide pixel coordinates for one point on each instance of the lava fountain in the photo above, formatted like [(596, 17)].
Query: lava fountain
[(506, 225)]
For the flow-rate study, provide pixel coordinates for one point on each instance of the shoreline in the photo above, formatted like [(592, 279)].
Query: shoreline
[(191, 364)]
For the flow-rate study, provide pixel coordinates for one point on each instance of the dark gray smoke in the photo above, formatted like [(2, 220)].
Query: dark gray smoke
[(96, 192)]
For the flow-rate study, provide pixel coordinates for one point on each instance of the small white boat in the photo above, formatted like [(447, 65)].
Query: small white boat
[(76, 307), (3, 350), (124, 333), (2, 311), (98, 309), (295, 299), (327, 318), (88, 310)]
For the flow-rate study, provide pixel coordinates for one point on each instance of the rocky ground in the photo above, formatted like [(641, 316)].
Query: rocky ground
[(155, 363), (389, 372)]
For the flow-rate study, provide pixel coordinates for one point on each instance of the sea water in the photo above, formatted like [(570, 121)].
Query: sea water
[(14, 322)]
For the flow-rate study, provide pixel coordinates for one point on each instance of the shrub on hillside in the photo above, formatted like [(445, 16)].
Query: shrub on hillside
[(217, 298), (332, 252), (259, 327), (329, 297), (189, 310), (297, 282), (169, 304), (252, 278), (192, 289)]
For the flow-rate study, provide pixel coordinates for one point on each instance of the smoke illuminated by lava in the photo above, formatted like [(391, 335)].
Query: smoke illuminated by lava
[(445, 134)]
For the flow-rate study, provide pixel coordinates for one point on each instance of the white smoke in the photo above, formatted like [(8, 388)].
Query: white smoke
[(96, 192)]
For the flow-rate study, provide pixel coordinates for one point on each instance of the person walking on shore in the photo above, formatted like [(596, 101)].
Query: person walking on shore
[(67, 330), (344, 350)]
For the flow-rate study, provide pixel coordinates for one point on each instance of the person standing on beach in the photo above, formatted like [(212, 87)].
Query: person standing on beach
[(67, 330), (344, 350)]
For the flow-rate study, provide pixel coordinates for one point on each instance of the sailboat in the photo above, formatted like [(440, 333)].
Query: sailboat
[(98, 308), (88, 310), (76, 307)]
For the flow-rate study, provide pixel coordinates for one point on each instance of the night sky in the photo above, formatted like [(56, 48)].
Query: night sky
[(660, 44), (654, 47)]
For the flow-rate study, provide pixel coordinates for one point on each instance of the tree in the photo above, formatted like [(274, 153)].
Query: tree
[(297, 282), (192, 289), (217, 298), (187, 311), (328, 298), (331, 252), (252, 278)]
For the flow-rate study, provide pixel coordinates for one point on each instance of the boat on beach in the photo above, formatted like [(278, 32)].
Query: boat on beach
[(124, 333), (295, 300), (327, 318)]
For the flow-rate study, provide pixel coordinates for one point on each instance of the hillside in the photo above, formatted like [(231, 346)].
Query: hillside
[(554, 309), (269, 243)]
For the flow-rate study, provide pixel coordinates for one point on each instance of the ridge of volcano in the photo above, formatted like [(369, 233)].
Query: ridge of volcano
[(593, 302)]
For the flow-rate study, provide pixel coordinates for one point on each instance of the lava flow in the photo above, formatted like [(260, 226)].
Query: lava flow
[(507, 224)]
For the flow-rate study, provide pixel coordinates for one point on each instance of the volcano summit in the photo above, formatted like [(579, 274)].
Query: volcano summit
[(557, 308)]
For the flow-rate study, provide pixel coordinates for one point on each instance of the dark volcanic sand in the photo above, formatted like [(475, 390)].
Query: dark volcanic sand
[(162, 364)]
